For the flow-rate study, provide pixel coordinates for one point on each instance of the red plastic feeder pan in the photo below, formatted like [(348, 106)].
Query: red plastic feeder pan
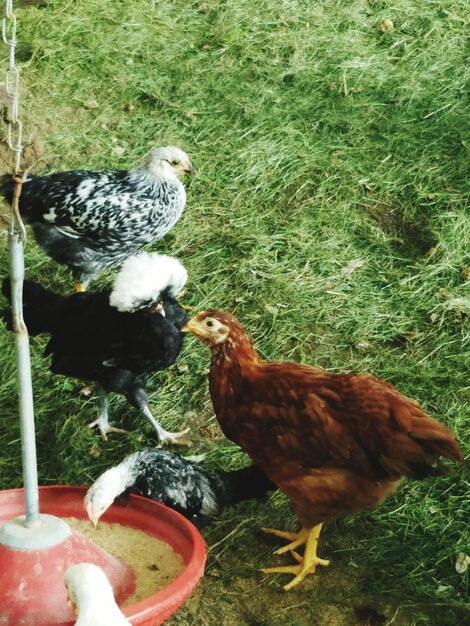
[(32, 590)]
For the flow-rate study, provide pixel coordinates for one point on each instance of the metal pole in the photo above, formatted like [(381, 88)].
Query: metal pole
[(16, 239), (25, 387)]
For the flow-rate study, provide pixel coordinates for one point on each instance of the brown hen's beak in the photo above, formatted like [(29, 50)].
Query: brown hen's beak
[(190, 327)]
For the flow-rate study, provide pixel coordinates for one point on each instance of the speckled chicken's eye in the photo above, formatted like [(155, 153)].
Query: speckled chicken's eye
[(175, 162)]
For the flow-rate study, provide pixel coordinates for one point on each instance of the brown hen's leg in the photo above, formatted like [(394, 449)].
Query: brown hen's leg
[(306, 564)]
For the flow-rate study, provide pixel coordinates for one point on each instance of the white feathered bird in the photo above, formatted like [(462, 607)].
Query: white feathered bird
[(143, 278), (90, 592)]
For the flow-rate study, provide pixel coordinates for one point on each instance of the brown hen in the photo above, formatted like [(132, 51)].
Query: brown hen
[(333, 443)]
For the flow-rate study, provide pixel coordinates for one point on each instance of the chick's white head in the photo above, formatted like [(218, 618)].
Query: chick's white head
[(144, 278), (84, 580), (89, 589), (168, 161)]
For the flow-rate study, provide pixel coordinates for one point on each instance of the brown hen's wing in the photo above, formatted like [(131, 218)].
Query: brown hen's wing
[(295, 417)]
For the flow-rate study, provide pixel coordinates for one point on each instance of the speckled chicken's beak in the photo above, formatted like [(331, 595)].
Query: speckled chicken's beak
[(89, 511), (191, 169)]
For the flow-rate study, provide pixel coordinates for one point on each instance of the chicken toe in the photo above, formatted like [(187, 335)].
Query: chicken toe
[(164, 436), (103, 420), (177, 439), (306, 564), (79, 287), (105, 427), (296, 539)]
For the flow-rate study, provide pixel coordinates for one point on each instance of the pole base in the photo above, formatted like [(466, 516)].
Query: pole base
[(48, 531), (33, 562)]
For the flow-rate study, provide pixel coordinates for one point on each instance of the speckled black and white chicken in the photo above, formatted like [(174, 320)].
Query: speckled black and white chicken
[(91, 221), (118, 338), (192, 490)]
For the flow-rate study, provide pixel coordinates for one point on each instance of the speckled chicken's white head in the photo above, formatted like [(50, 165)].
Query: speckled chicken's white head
[(144, 278), (106, 489), (168, 162)]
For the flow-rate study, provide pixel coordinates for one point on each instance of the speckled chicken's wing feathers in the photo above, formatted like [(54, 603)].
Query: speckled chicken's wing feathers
[(91, 221), (174, 481), (82, 202)]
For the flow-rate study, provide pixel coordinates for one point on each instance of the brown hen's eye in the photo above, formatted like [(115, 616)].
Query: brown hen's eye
[(209, 323)]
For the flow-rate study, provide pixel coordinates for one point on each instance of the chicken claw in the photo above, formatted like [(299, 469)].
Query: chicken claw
[(105, 427), (163, 435), (166, 437), (296, 539), (306, 564)]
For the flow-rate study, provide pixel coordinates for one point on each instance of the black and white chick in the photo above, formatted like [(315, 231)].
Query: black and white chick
[(195, 492), (92, 221), (91, 594), (115, 339)]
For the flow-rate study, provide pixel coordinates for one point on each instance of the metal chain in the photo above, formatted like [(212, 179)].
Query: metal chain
[(12, 84), (13, 122)]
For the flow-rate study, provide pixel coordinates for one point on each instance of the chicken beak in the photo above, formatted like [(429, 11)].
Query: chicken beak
[(91, 517), (190, 327), (158, 308), (190, 169)]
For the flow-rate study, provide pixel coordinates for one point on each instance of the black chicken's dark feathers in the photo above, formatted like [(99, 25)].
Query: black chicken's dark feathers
[(92, 340)]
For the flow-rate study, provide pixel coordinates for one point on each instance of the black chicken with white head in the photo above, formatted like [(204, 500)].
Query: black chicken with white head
[(118, 338), (91, 221)]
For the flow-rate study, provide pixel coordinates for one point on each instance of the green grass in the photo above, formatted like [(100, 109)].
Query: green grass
[(320, 141)]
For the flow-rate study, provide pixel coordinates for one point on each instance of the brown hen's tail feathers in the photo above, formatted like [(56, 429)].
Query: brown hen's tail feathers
[(429, 440), (435, 440)]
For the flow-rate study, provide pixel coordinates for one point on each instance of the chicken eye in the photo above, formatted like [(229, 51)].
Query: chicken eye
[(175, 162), (209, 323)]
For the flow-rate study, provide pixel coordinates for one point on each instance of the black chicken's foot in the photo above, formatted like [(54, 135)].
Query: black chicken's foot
[(164, 436), (103, 420)]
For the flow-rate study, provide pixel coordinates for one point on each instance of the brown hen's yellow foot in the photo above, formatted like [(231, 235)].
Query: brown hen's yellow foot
[(296, 539), (78, 287), (306, 564)]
